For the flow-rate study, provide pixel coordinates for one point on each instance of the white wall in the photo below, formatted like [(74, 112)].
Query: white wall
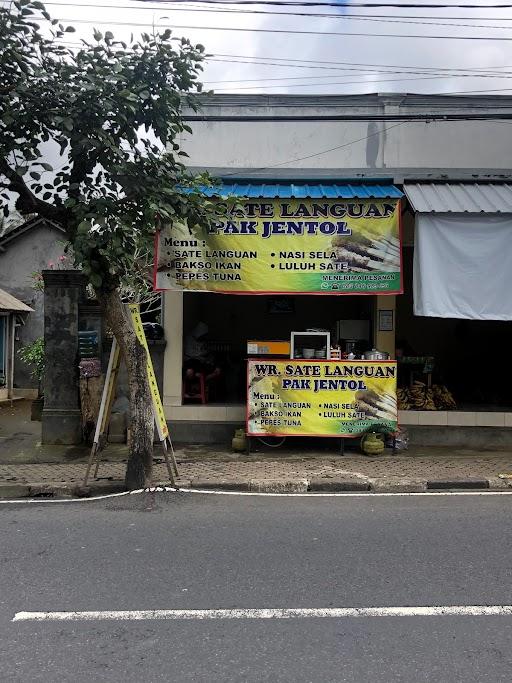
[(28, 253), (363, 144)]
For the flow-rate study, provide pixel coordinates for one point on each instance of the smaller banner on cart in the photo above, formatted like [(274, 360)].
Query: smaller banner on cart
[(321, 398)]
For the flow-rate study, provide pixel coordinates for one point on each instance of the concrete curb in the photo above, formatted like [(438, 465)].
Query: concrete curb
[(335, 485), (278, 485), (59, 489), (384, 485), (224, 485), (499, 484), (467, 483), (13, 490)]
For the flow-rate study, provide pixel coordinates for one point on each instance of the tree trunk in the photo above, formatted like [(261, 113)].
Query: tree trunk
[(140, 459)]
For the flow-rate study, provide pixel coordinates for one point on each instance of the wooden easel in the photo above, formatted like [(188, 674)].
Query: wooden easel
[(107, 400)]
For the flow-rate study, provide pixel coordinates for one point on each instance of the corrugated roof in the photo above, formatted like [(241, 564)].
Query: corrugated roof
[(8, 302), (290, 190), (459, 197)]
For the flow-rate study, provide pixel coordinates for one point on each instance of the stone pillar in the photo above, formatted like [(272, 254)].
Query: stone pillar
[(63, 290)]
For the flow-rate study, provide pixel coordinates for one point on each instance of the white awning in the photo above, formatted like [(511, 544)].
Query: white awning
[(473, 198), (463, 266), (462, 250)]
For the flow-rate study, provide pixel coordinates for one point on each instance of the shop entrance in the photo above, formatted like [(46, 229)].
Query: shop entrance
[(216, 330), (469, 357)]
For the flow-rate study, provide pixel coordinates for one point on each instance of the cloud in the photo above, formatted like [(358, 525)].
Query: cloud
[(232, 76)]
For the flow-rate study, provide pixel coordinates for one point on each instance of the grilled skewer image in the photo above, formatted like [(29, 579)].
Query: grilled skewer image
[(381, 406), (365, 254)]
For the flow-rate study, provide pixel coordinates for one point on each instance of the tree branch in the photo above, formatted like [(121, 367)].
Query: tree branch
[(30, 203)]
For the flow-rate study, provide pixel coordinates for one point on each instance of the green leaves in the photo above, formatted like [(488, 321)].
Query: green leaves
[(95, 103), (83, 227), (95, 280), (33, 355)]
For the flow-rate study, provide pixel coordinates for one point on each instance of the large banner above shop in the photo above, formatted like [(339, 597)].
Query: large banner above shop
[(463, 266), (287, 245), (320, 398)]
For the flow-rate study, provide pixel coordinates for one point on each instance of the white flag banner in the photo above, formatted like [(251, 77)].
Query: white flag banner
[(463, 266)]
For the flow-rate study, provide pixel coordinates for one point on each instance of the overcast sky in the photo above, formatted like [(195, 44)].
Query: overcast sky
[(355, 64), (401, 54)]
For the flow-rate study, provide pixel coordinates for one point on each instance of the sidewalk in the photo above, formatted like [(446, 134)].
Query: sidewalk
[(28, 469), (414, 473)]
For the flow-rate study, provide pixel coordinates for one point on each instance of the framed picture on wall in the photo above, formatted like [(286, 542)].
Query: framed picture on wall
[(386, 320), (280, 304)]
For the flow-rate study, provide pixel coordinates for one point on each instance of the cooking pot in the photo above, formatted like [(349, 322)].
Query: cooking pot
[(376, 355)]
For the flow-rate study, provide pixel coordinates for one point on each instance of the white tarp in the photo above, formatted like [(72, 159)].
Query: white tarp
[(463, 266)]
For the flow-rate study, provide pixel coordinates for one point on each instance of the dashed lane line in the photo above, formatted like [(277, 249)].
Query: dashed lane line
[(271, 613)]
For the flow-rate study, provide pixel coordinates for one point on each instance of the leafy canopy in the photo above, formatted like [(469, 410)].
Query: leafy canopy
[(114, 109)]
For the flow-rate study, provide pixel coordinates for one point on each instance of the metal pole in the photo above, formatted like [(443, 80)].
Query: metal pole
[(166, 457)]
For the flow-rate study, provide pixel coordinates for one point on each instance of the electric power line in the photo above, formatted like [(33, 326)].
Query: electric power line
[(308, 3), (429, 72), (317, 154), (390, 66), (310, 85), (287, 31), (432, 74), (362, 72), (325, 151), (430, 21)]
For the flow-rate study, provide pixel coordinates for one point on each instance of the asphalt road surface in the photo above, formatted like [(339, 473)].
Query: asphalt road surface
[(184, 551)]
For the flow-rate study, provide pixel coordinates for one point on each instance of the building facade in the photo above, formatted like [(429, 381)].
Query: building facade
[(449, 156), (25, 251)]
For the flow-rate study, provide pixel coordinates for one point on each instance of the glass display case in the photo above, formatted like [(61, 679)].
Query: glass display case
[(311, 344)]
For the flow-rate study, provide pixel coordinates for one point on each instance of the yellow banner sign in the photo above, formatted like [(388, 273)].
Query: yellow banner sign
[(161, 423), (320, 398), (279, 246)]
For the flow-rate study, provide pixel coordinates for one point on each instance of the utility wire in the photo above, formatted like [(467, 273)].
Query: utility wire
[(429, 75), (340, 5), (361, 72), (362, 75), (431, 21), (390, 66), (287, 31), (432, 73), (144, 7), (318, 63), (317, 154), (229, 89)]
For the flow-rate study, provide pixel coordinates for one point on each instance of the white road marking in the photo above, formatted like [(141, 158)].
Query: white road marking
[(269, 613), (169, 489), (342, 494)]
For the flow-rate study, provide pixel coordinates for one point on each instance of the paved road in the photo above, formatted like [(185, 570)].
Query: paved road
[(196, 551)]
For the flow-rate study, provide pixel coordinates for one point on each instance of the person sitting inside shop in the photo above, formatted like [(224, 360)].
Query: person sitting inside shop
[(200, 371)]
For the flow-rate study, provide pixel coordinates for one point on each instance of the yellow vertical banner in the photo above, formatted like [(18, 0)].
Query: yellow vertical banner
[(161, 422)]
